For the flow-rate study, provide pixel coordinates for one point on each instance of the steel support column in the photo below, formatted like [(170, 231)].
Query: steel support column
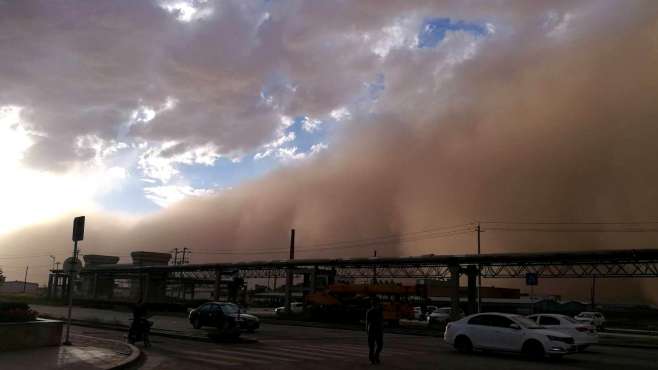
[(218, 284), (454, 291), (472, 289), (50, 286)]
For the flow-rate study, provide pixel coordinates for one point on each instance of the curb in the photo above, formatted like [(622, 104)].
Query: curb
[(133, 358), (135, 353), (648, 333), (156, 332), (638, 346)]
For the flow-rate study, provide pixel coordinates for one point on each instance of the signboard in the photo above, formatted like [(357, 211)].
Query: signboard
[(72, 265), (531, 279), (78, 228)]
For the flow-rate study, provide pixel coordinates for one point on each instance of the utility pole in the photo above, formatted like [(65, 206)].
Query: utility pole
[(183, 261), (175, 256), (374, 269), (25, 281), (176, 274), (479, 272), (289, 279)]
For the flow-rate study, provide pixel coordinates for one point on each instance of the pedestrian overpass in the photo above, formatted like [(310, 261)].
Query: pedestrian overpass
[(150, 282)]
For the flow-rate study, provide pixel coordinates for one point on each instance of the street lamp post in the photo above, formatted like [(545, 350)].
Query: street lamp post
[(479, 272)]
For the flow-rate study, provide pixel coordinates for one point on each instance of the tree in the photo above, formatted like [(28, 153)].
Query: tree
[(2, 277)]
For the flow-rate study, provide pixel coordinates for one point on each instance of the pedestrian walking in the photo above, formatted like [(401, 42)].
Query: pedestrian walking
[(375, 330)]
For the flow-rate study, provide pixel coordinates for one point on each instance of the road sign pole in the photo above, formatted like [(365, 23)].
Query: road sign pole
[(67, 341), (78, 234)]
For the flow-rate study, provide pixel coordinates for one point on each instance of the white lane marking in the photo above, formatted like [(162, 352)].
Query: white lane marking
[(395, 351), (207, 357), (308, 355), (290, 353), (253, 353)]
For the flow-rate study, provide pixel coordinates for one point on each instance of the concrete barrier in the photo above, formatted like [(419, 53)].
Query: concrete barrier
[(31, 334)]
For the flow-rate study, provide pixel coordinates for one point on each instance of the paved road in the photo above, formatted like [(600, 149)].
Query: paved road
[(179, 325), (279, 347)]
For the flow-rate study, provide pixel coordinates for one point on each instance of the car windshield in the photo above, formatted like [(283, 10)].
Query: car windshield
[(444, 310), (230, 308), (526, 322), (586, 314)]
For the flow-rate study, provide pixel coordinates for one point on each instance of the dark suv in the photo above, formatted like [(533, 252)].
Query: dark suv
[(223, 316)]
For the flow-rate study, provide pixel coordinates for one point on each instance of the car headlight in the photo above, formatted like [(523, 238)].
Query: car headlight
[(560, 339)]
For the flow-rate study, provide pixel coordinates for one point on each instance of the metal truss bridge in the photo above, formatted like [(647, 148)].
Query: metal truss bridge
[(637, 263)]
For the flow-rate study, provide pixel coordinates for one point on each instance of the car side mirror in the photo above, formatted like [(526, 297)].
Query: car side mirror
[(515, 326)]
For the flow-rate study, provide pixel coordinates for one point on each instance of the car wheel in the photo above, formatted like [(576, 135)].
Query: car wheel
[(463, 344), (533, 349), (196, 323)]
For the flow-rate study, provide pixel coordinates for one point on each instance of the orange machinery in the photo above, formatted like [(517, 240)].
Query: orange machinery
[(349, 302)]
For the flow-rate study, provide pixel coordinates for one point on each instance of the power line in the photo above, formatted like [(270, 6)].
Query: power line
[(22, 267), (382, 239), (391, 236), (572, 230), (19, 257), (571, 222), (347, 246)]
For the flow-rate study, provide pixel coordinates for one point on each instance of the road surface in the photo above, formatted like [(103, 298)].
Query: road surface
[(279, 347)]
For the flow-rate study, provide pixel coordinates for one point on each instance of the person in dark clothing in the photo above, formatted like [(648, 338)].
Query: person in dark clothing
[(139, 312), (375, 330), (140, 327)]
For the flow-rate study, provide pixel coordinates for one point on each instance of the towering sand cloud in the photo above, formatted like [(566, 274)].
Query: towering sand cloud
[(548, 112)]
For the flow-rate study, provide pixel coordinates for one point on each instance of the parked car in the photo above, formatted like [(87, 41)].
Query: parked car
[(583, 334), (223, 316), (596, 319), (295, 307), (507, 333), (418, 313), (441, 316), (422, 314), (430, 308)]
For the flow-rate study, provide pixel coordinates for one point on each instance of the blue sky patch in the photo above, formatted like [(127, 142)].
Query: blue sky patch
[(434, 30)]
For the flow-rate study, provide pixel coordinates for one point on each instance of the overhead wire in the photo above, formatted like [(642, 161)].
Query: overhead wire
[(570, 222), (401, 238), (573, 226)]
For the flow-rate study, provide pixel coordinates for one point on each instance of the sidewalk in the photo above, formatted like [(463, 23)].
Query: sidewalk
[(86, 353)]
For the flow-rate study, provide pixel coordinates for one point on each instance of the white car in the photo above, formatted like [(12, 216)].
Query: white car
[(441, 316), (583, 334), (507, 333), (295, 307), (594, 318)]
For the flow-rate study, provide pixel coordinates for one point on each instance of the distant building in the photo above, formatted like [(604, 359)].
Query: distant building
[(18, 287)]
